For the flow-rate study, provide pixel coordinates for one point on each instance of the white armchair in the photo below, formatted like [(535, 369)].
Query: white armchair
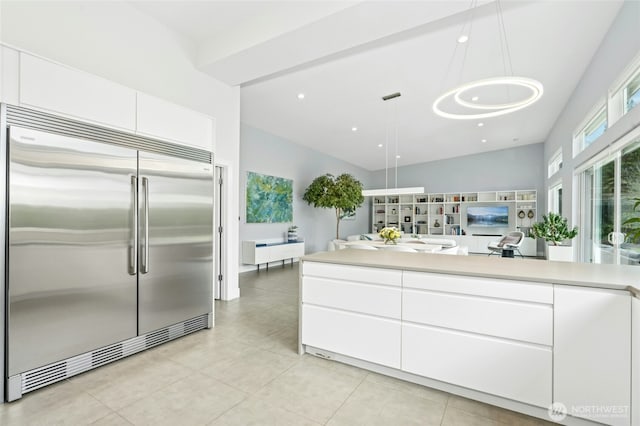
[(509, 243)]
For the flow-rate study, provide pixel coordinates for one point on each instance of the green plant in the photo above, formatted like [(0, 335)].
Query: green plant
[(341, 193), (553, 228), (634, 231)]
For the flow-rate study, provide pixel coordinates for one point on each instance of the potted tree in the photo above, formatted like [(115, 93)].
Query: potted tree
[(342, 193), (554, 229)]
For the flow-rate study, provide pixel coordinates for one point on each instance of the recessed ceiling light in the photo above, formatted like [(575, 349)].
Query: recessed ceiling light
[(483, 141), (380, 145), (397, 156), (354, 129), (463, 38), (480, 124), (475, 98), (300, 95)]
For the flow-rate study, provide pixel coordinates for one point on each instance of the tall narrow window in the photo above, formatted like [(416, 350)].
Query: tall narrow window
[(595, 128), (624, 93), (555, 164), (631, 94), (555, 199), (592, 130)]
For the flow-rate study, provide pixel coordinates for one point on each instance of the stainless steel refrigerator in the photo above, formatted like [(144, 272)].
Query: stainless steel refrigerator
[(110, 249)]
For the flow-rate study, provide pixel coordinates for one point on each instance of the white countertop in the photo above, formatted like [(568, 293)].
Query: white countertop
[(617, 277)]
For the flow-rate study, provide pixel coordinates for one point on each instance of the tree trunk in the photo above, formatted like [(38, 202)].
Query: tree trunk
[(337, 224)]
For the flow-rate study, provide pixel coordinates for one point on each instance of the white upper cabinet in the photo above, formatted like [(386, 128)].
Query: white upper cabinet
[(48, 86), (161, 119)]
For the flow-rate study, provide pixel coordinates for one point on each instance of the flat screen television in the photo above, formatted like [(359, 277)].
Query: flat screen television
[(488, 216)]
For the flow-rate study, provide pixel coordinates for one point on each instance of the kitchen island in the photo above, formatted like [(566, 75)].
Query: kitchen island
[(520, 334)]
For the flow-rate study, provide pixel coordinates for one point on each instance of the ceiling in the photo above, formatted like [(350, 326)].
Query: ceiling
[(344, 56)]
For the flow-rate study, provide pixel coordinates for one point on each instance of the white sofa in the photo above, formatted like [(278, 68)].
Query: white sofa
[(448, 246)]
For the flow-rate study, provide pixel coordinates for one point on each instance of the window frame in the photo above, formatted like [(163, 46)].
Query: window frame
[(555, 163), (579, 136), (617, 102), (554, 201), (625, 94)]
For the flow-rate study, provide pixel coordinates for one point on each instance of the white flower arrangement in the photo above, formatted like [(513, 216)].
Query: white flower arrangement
[(390, 234)]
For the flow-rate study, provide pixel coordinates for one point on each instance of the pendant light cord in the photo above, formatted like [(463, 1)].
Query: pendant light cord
[(504, 47), (468, 22), (395, 119)]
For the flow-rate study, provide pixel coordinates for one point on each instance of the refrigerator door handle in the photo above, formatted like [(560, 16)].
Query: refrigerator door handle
[(133, 256), (144, 267)]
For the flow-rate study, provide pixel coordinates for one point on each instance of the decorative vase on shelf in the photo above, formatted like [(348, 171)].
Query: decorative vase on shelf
[(436, 224), (292, 234)]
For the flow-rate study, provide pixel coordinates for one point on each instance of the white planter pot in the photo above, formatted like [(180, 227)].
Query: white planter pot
[(560, 253)]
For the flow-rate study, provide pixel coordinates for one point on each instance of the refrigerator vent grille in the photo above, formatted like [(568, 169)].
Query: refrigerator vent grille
[(40, 377), (195, 324), (106, 355), (157, 337), (48, 374), (37, 120)]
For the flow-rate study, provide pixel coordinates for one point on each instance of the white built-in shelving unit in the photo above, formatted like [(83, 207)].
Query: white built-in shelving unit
[(445, 213)]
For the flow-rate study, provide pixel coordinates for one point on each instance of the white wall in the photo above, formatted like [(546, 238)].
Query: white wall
[(506, 169), (618, 48), (264, 153), (116, 41)]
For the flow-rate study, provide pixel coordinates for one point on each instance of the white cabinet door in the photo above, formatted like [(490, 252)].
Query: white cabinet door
[(504, 368), (56, 88), (260, 255), (353, 273), (356, 335), (286, 251), (484, 287), (592, 353), (161, 119), (522, 321), (384, 301)]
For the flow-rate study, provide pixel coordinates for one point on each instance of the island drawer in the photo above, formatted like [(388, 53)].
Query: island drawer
[(370, 299), (360, 336), (352, 273), (524, 321), (508, 369), (487, 287)]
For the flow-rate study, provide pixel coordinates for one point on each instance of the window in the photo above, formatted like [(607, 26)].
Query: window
[(555, 164), (624, 93), (555, 199), (592, 130), (608, 187), (595, 128), (631, 93)]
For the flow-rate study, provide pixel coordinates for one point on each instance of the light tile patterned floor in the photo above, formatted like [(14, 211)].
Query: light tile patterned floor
[(246, 371)]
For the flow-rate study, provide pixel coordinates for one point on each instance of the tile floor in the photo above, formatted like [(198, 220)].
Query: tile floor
[(246, 371)]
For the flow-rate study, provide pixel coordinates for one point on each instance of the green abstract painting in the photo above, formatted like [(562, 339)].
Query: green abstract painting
[(269, 199)]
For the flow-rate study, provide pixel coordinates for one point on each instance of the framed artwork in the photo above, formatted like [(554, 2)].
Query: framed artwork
[(269, 199), (348, 215)]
